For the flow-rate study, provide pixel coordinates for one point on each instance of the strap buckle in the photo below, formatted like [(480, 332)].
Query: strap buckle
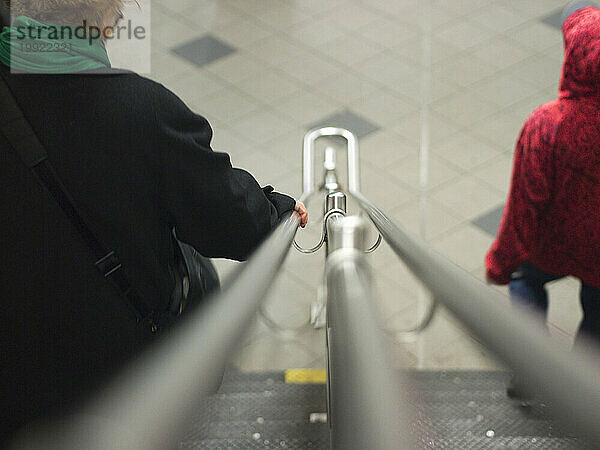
[(108, 264)]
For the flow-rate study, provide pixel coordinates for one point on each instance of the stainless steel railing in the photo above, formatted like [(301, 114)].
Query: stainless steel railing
[(569, 381), (148, 407), (367, 405)]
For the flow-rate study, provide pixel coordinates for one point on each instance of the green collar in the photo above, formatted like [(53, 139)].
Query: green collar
[(36, 47)]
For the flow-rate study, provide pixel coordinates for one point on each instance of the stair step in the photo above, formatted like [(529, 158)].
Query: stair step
[(272, 431), (452, 409)]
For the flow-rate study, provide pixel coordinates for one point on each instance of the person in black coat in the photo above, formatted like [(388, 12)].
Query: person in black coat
[(139, 166)]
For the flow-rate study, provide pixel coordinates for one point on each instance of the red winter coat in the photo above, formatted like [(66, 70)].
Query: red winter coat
[(552, 217)]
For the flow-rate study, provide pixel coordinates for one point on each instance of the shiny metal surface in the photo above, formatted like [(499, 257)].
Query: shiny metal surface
[(308, 159), (569, 381), (366, 396)]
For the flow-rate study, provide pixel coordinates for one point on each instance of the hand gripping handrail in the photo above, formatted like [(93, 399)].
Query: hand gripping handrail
[(148, 407), (569, 381)]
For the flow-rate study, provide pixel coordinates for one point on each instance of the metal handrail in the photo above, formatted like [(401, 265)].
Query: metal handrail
[(148, 407), (308, 159), (367, 404), (569, 381)]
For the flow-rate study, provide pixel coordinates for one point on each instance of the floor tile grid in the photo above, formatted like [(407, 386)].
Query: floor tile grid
[(324, 56)]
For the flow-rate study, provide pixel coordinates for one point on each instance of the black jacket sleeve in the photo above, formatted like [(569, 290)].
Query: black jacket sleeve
[(218, 209)]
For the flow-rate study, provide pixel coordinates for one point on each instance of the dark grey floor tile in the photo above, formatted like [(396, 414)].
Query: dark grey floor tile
[(204, 50), (349, 120), (489, 221), (553, 19)]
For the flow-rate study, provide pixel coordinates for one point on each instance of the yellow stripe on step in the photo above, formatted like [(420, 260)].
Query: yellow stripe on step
[(306, 376)]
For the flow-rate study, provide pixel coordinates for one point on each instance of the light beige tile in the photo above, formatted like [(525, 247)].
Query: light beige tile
[(463, 7), (446, 345), (535, 35), (438, 128), (497, 17), (564, 307), (308, 268), (291, 183), (318, 7), (538, 71), (268, 353), (276, 51), (503, 90), (465, 108), (496, 172), (207, 16), (525, 107), (353, 16), (242, 33), (388, 33), (425, 217), (194, 87), (425, 90), (465, 246), (226, 268), (280, 16), (262, 127), (383, 149), (230, 105), (389, 299), (166, 37), (288, 147), (480, 274), (310, 69), (269, 86), (414, 50), (387, 264), (426, 16), (466, 151), (463, 69), (306, 108), (463, 34), (392, 8), (468, 197), (501, 129), (345, 87), (316, 33), (382, 190), (384, 107), (236, 67), (501, 52), (464, 354), (227, 141), (263, 166), (288, 301), (166, 67), (388, 70), (534, 8), (351, 50), (436, 171)]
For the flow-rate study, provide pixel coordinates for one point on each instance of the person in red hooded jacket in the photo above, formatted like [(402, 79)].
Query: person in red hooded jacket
[(551, 223)]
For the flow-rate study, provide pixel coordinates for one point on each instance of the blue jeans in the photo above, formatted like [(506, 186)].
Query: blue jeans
[(527, 291)]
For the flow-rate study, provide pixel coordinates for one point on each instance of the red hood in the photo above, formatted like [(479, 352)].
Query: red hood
[(581, 68)]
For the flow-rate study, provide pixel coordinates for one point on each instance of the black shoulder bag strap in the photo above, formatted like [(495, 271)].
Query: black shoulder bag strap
[(22, 138)]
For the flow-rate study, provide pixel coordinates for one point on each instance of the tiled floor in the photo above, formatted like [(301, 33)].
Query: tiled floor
[(436, 90)]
